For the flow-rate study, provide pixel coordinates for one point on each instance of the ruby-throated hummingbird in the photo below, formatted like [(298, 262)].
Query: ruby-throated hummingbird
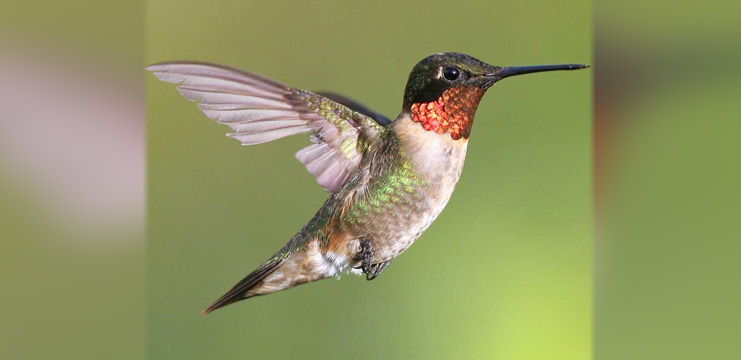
[(388, 180)]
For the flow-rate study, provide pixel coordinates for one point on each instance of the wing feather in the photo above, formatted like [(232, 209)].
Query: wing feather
[(260, 110), (265, 136), (311, 152), (260, 126)]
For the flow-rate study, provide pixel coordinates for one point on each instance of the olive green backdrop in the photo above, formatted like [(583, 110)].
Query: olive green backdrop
[(505, 271)]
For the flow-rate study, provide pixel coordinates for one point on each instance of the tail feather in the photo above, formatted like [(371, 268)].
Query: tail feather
[(239, 291), (289, 267)]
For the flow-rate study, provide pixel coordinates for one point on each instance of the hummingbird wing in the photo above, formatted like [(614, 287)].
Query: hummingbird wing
[(356, 106), (261, 110)]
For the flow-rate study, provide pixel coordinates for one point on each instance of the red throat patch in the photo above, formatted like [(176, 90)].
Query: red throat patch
[(452, 113)]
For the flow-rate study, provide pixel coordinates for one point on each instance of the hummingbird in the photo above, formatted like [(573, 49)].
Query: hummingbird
[(387, 180)]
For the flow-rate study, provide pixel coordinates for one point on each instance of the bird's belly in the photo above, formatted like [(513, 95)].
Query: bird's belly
[(404, 228), (403, 225), (402, 221), (392, 227)]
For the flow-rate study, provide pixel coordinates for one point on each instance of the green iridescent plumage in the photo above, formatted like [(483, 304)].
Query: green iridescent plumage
[(345, 120), (396, 186)]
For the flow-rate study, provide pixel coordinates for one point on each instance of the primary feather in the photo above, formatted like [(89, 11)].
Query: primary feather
[(260, 110)]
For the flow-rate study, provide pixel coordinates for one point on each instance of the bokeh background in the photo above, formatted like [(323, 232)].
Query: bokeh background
[(504, 273), (72, 180), (667, 173)]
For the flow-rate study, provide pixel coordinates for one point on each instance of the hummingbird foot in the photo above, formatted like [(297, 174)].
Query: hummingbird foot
[(365, 256), (376, 269)]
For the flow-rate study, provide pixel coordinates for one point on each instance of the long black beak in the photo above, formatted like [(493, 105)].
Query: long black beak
[(503, 72), (521, 70)]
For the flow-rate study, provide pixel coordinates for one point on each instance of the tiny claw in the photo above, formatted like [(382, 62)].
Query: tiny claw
[(376, 269), (365, 256), (371, 275)]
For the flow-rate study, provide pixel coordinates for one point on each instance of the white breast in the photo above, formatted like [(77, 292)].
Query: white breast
[(439, 160), (437, 156)]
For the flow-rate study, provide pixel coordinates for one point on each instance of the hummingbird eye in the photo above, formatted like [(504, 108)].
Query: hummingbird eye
[(451, 74)]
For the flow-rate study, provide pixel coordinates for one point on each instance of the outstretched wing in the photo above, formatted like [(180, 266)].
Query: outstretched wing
[(261, 110), (356, 106)]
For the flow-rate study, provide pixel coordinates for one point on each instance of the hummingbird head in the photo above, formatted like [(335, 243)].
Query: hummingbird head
[(444, 90)]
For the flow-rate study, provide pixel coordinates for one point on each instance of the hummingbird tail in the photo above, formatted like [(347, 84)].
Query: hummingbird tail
[(240, 290), (284, 270)]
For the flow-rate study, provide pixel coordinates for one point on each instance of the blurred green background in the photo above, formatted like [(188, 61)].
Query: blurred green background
[(505, 271)]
